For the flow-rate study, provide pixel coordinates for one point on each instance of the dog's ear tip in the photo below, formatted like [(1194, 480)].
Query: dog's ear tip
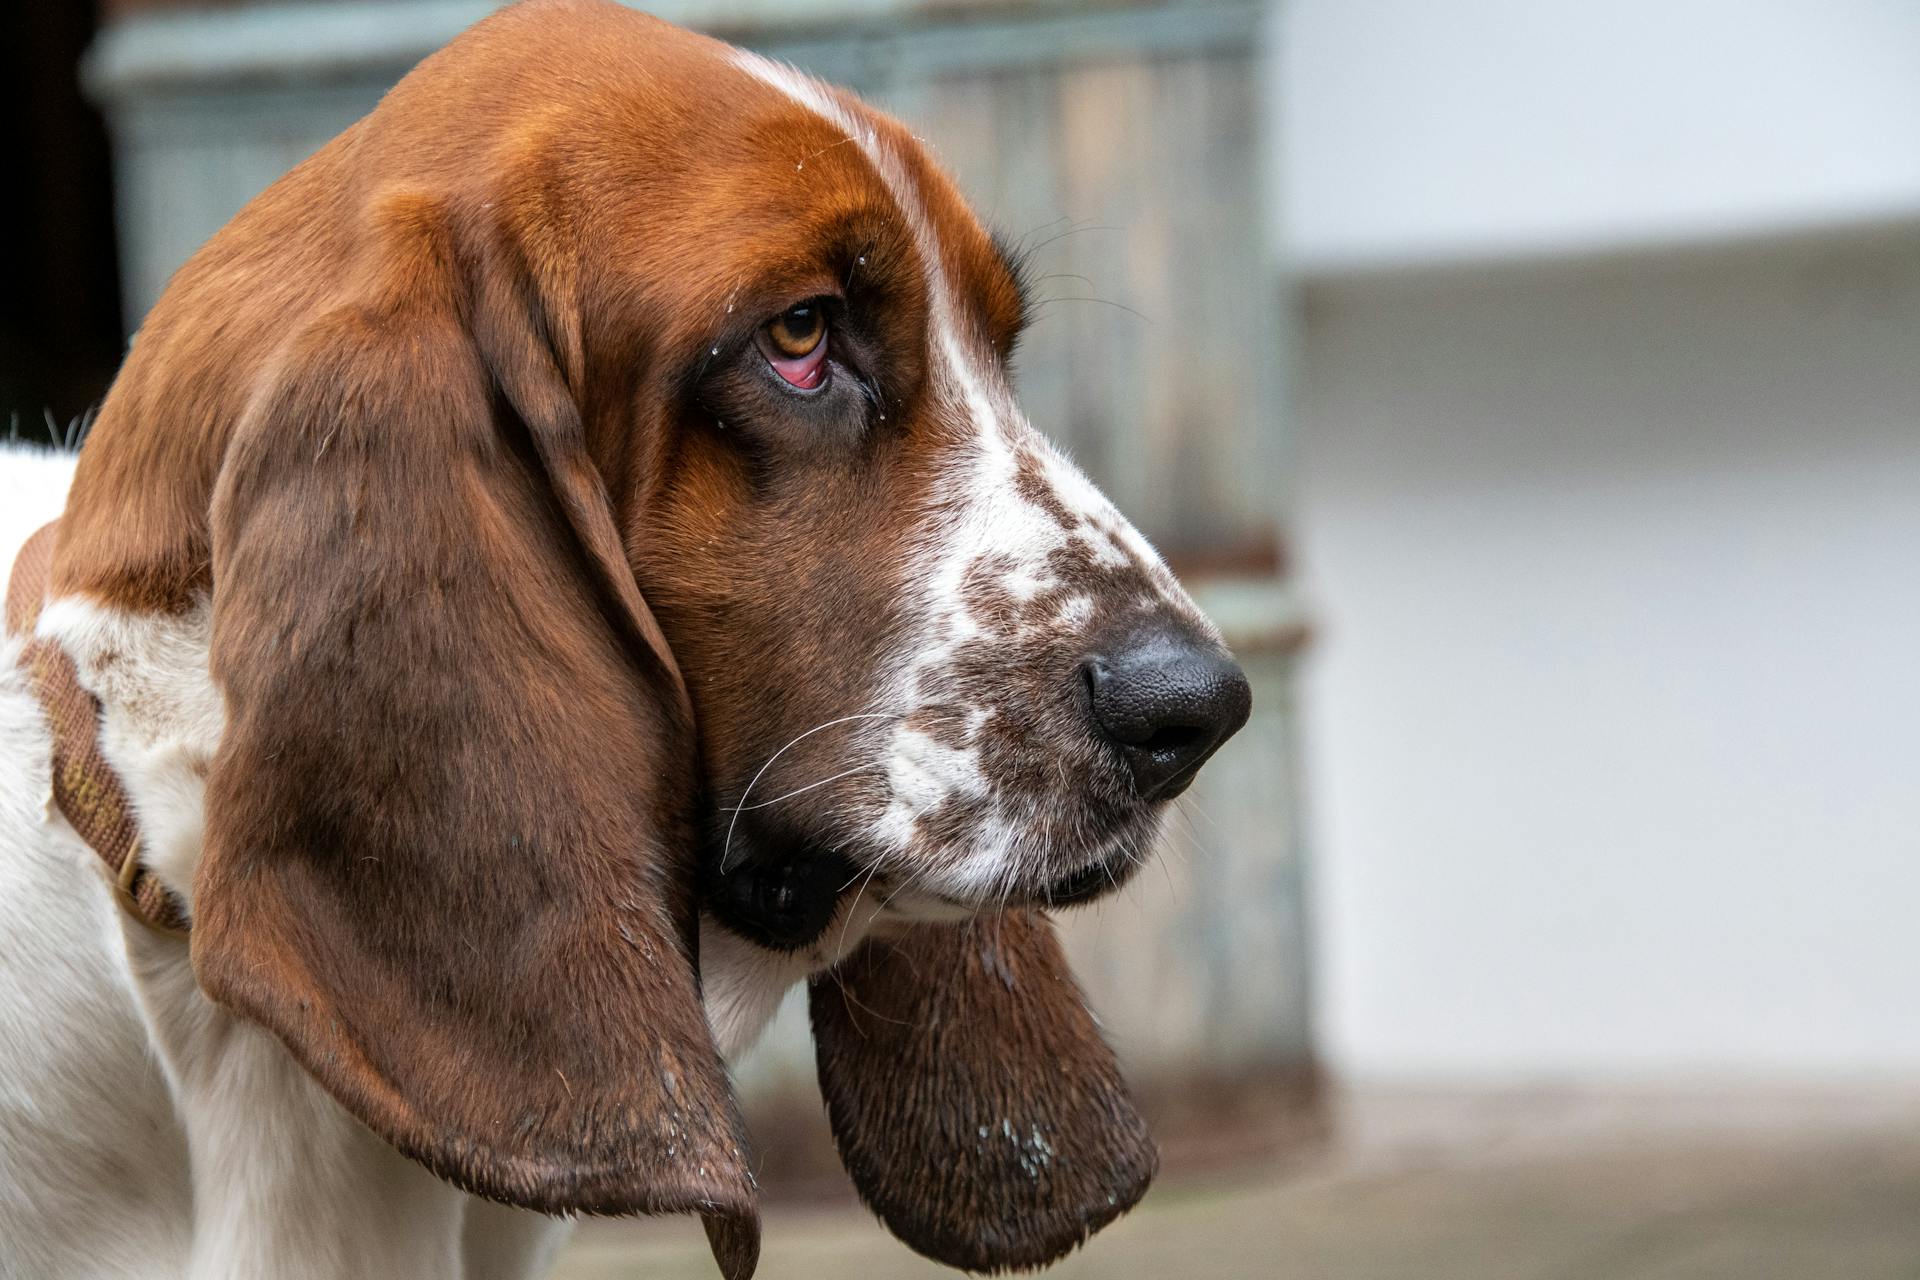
[(735, 1240)]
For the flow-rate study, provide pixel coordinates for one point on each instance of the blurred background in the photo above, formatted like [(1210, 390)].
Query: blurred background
[(1532, 390)]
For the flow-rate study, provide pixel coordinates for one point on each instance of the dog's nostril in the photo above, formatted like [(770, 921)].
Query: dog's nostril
[(1090, 674), (1174, 739), (1167, 701)]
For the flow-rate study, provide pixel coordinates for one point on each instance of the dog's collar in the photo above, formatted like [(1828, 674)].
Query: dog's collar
[(85, 788)]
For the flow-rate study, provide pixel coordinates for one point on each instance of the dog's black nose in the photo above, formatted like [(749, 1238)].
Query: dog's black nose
[(1168, 701)]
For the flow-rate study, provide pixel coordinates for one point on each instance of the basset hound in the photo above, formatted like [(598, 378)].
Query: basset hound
[(561, 567)]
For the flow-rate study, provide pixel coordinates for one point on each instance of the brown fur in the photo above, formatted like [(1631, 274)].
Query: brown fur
[(512, 574)]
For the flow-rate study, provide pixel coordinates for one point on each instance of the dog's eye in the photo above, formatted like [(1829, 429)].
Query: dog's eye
[(798, 330), (795, 344)]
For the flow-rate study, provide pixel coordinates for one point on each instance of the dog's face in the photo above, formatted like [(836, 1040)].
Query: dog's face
[(604, 470), (924, 652)]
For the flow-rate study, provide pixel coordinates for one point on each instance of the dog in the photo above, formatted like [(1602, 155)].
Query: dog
[(561, 567)]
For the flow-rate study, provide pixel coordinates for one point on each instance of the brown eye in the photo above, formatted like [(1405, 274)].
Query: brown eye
[(797, 331)]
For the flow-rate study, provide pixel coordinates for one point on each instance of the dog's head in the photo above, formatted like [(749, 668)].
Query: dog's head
[(619, 508), (922, 648)]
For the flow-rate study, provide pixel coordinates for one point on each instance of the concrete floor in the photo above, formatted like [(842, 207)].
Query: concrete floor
[(1466, 1188)]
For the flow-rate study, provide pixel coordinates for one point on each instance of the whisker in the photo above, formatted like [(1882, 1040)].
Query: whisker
[(1166, 872), (853, 904), (1048, 225), (930, 711), (1187, 805), (844, 773), (1105, 302), (726, 847), (1062, 235)]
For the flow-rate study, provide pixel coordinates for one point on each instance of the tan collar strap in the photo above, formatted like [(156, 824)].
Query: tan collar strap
[(85, 787)]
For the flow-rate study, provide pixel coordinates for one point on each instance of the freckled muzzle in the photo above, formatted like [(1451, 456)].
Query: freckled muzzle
[(1068, 689)]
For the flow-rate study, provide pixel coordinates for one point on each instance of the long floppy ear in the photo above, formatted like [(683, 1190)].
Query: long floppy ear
[(448, 827), (971, 1096)]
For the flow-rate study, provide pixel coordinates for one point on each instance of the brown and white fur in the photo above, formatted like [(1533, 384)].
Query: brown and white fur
[(470, 614)]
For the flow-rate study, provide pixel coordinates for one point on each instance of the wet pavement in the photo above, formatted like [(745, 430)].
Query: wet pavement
[(1691, 1188)]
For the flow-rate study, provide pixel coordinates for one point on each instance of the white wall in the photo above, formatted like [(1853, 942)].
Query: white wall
[(1612, 531), (1414, 130), (1614, 718)]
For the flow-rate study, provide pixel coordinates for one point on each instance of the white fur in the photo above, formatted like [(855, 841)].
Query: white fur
[(990, 518), (144, 1132), (160, 718), (743, 983), (90, 1159)]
